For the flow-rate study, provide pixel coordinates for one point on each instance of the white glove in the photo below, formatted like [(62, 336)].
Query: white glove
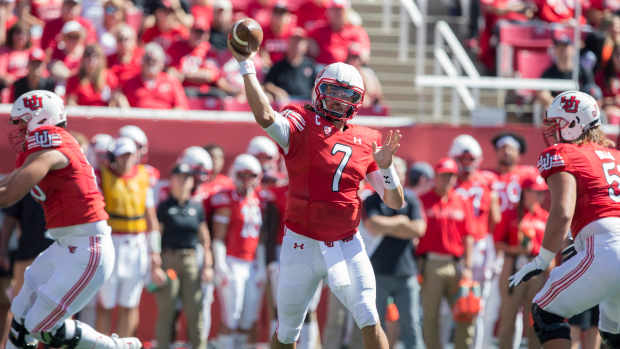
[(533, 268)]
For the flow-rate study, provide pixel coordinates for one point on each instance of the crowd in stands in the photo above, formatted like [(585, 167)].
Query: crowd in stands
[(165, 54)]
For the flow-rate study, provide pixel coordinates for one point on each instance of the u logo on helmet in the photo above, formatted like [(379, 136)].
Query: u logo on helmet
[(33, 102), (570, 105)]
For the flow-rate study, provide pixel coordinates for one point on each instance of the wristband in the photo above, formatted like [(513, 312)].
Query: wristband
[(154, 241), (546, 256), (247, 67), (390, 178)]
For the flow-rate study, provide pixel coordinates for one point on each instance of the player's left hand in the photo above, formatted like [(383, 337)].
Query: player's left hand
[(383, 154), (531, 269)]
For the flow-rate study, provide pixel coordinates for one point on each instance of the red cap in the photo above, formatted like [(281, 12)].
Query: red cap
[(201, 23), (36, 54), (446, 165), (534, 183)]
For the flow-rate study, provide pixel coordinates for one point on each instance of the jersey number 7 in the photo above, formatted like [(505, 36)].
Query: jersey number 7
[(347, 150)]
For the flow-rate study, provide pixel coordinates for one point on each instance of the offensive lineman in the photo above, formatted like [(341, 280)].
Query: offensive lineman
[(64, 277), (582, 173), (326, 159)]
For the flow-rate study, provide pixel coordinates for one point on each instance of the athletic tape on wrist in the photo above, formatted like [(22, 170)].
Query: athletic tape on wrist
[(390, 178), (154, 241), (247, 67)]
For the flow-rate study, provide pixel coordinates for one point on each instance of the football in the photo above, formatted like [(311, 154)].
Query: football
[(246, 36)]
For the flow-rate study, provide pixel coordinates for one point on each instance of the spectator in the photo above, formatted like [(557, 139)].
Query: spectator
[(70, 12), (35, 78), (180, 9), (601, 42), (311, 14), (222, 23), (562, 68), (276, 34), (519, 234), (129, 199), (191, 61), (358, 57), (45, 10), (66, 57), (445, 254), (420, 178), (599, 10), (166, 28), (7, 18), (203, 9), (126, 62), (554, 11), (392, 258), (184, 227), (608, 79), (152, 87), (330, 41), (292, 77), (114, 15), (94, 85), (14, 55), (260, 10)]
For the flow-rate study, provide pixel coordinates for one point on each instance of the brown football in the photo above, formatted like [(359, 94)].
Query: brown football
[(246, 36)]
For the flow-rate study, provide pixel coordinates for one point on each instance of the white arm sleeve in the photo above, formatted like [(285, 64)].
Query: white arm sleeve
[(150, 197), (280, 131), (376, 180)]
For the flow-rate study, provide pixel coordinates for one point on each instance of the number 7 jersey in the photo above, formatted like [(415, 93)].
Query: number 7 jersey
[(325, 167), (597, 172)]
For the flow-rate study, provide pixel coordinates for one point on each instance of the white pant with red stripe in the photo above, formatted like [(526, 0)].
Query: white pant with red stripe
[(65, 277), (591, 277)]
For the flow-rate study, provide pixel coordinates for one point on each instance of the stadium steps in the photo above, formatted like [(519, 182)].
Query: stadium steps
[(397, 77)]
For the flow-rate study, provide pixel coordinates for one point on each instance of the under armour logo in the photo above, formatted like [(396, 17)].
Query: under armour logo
[(296, 245), (357, 140), (329, 243), (72, 249), (33, 102), (570, 105)]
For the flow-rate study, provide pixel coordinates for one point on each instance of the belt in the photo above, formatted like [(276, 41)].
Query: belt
[(128, 218), (432, 256), (179, 250)]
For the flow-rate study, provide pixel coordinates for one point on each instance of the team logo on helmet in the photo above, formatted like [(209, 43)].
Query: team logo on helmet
[(570, 105), (33, 102)]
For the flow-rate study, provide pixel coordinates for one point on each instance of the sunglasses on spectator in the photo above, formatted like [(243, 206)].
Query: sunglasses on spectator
[(111, 9), (73, 37), (148, 58)]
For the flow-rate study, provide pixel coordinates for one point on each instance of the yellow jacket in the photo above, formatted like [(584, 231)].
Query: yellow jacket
[(125, 199)]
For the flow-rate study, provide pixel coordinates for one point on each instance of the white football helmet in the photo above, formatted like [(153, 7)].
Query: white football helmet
[(462, 145), (199, 160), (245, 163), (262, 145), (137, 135), (338, 91), (569, 116), (39, 108), (98, 149)]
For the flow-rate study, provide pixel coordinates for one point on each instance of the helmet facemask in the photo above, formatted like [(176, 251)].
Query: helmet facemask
[(559, 130), (336, 100), (467, 162), (17, 134)]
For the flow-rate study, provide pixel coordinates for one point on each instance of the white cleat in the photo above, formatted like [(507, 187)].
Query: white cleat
[(126, 342)]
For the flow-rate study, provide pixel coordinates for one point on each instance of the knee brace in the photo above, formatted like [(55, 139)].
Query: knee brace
[(20, 337), (549, 326), (59, 338), (611, 340)]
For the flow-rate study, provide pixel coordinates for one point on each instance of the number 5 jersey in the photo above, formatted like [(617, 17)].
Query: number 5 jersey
[(597, 172)]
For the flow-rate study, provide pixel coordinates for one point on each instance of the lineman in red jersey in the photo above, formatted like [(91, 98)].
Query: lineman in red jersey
[(582, 173), (326, 159), (475, 187), (66, 276), (239, 259)]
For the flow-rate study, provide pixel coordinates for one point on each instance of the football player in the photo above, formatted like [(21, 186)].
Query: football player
[(326, 158), (583, 174), (66, 276)]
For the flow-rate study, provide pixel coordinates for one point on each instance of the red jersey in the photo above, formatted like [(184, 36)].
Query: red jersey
[(508, 185), (14, 63), (86, 94), (310, 15), (164, 92), (124, 71), (53, 27), (527, 232), (477, 190), (245, 222), (71, 61), (69, 196), (276, 195), (276, 44), (219, 183), (164, 39), (557, 11), (597, 173), (188, 59), (334, 46), (448, 222), (325, 169)]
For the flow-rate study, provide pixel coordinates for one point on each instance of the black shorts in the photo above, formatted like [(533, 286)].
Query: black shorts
[(586, 320)]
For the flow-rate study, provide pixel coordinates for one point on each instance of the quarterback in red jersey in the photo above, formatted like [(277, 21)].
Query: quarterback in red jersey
[(239, 259), (582, 173), (326, 158), (66, 276)]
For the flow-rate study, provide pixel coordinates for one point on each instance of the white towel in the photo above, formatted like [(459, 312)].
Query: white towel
[(337, 271)]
